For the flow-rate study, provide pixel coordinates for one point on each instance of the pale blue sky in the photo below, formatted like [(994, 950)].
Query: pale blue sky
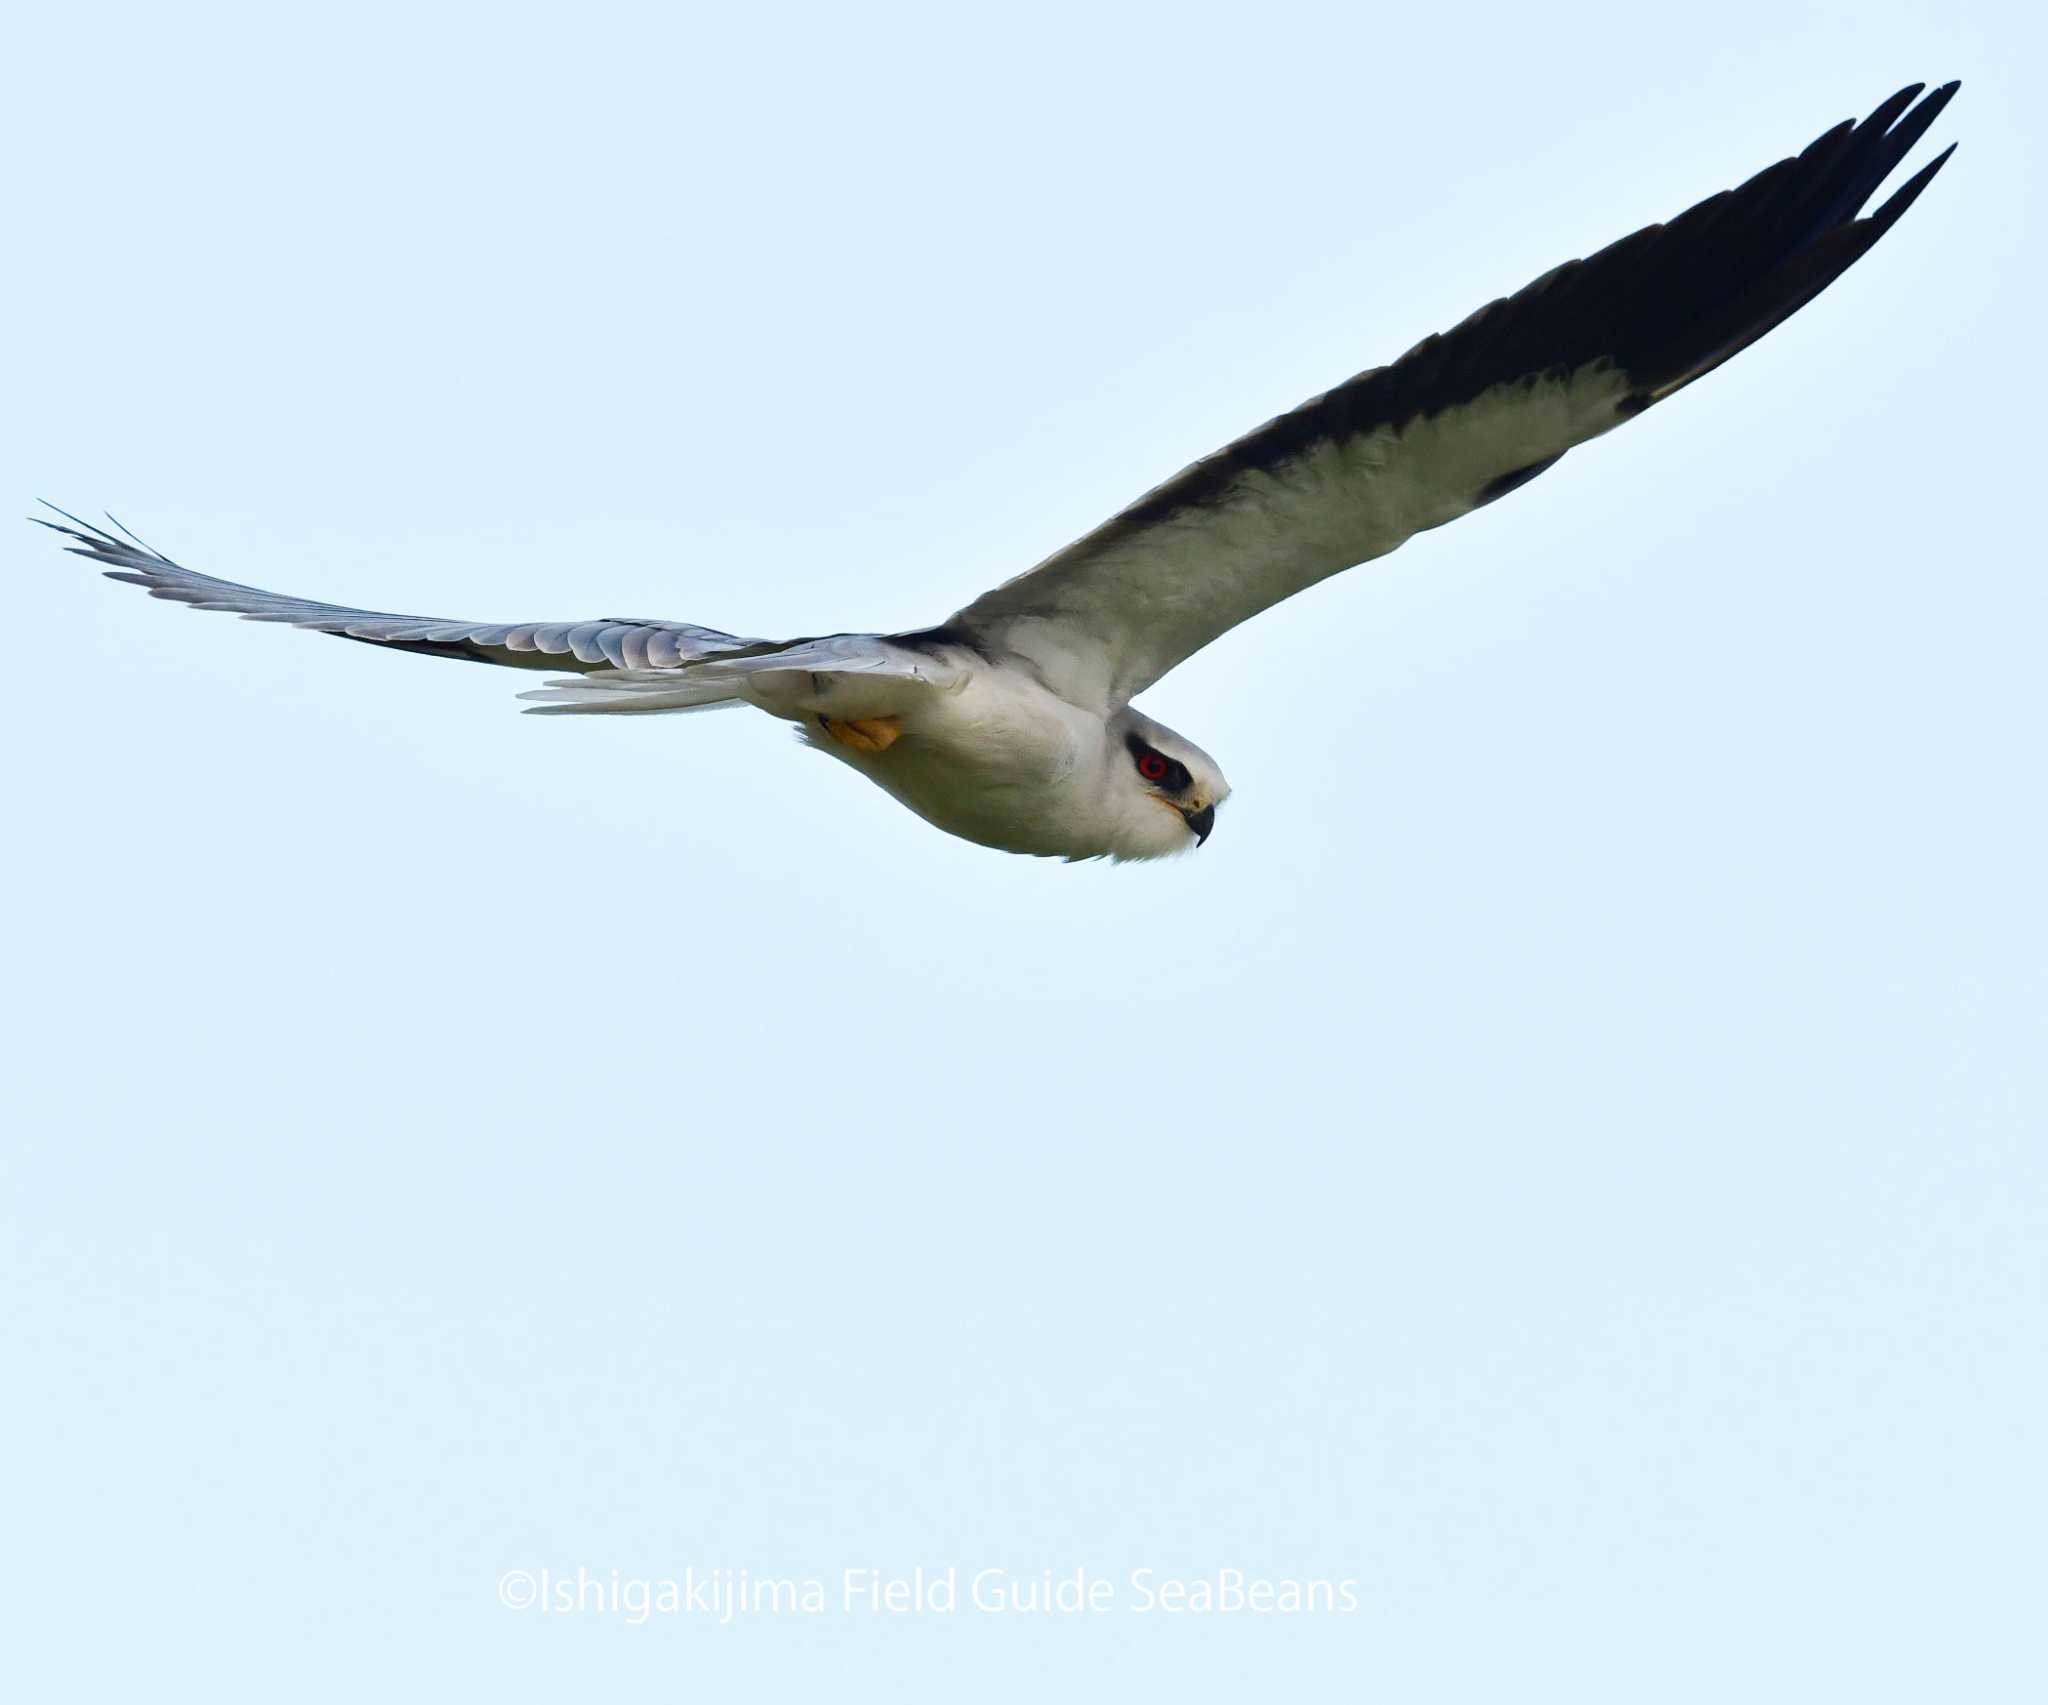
[(1567, 1154)]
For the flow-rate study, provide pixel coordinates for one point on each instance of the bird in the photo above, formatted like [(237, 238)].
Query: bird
[(1011, 723)]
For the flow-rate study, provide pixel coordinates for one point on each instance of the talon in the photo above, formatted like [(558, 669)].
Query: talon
[(869, 734)]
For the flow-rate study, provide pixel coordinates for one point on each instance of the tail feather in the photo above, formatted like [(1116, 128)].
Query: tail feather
[(636, 692), (843, 674)]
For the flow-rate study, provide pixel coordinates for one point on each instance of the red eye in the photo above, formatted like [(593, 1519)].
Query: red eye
[(1151, 766)]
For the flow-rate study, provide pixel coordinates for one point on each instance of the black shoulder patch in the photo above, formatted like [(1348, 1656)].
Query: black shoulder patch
[(931, 641), (462, 651), (1514, 480)]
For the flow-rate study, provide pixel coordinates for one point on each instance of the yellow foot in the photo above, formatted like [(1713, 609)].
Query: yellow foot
[(870, 734)]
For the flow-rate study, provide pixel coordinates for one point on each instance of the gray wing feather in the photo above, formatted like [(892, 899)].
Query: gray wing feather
[(612, 642)]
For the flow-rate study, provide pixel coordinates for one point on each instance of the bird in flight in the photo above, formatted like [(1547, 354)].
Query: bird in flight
[(1011, 722)]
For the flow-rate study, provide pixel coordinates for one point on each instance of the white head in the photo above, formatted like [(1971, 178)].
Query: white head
[(1161, 790)]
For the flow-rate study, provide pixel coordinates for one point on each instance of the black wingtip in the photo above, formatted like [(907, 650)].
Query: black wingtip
[(1900, 137), (1886, 113), (87, 526), (1931, 108), (142, 545), (1937, 98), (1909, 191), (95, 541)]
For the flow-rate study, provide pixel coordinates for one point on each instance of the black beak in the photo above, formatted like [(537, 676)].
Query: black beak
[(1203, 822)]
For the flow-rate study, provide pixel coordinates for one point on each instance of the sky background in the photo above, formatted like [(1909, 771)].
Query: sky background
[(1566, 1156)]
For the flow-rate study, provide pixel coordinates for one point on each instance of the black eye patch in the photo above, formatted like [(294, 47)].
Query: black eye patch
[(1157, 768)]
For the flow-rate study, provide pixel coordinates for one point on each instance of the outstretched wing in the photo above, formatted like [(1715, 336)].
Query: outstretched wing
[(613, 642), (623, 667), (1461, 419)]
